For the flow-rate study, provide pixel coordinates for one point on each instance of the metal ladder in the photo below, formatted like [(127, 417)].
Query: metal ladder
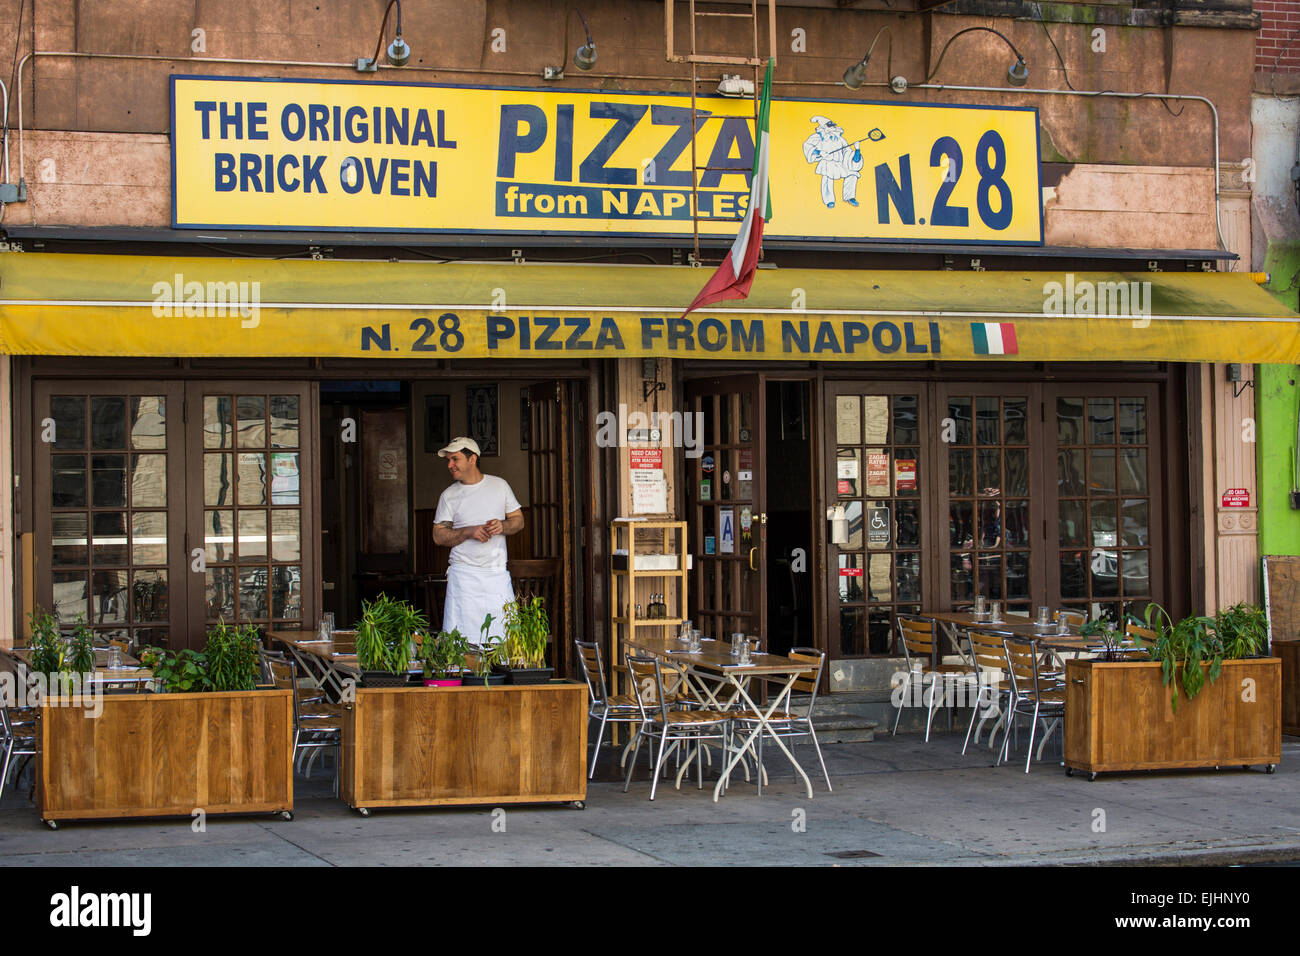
[(696, 60)]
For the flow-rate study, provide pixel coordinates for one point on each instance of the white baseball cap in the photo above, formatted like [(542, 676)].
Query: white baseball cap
[(460, 444)]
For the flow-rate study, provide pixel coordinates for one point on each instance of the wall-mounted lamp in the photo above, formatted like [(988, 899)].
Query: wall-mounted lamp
[(583, 59), (399, 54), (856, 75)]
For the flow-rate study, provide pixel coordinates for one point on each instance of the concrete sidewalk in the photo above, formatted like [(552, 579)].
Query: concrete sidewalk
[(897, 801)]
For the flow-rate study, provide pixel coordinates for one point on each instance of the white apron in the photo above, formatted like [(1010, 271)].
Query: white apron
[(472, 594)]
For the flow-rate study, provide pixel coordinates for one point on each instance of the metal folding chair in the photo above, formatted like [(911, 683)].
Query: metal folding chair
[(917, 636), (620, 709), (316, 727), (1032, 695), (15, 741)]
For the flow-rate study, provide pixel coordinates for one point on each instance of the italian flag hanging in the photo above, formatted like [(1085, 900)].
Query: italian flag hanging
[(736, 274)]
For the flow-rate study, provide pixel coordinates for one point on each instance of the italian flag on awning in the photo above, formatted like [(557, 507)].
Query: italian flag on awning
[(736, 274)]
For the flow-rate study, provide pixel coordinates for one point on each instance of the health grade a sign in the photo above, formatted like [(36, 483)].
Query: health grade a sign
[(364, 156)]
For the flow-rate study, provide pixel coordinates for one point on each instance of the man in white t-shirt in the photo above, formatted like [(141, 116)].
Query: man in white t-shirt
[(474, 516)]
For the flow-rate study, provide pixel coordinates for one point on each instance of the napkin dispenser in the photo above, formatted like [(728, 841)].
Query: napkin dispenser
[(839, 524)]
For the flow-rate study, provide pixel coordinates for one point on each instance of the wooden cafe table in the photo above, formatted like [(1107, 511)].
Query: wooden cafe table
[(714, 660)]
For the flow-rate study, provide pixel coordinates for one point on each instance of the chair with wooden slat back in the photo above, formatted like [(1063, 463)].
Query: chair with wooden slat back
[(538, 577), (990, 660), (1072, 619), (1031, 695), (321, 722), (660, 717), (1144, 638), (617, 709), (786, 721), (917, 635)]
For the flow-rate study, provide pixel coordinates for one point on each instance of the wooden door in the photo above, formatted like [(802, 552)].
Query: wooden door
[(550, 503), (727, 506)]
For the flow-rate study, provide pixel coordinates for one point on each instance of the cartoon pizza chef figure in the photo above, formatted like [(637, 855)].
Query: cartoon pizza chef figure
[(835, 159)]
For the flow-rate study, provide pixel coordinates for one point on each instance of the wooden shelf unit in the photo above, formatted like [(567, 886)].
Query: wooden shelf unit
[(641, 538)]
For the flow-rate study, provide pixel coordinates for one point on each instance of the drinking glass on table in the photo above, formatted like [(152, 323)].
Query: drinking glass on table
[(995, 612), (114, 657), (737, 642), (1044, 616), (696, 637), (981, 605)]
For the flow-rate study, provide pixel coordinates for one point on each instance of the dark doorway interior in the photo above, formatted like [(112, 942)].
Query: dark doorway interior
[(789, 516)]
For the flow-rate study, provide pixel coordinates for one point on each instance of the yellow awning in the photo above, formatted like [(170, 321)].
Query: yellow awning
[(53, 304)]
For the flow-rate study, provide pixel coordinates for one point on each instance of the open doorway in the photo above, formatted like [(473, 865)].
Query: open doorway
[(790, 527)]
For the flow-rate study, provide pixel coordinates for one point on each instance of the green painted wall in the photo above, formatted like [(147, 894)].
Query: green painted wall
[(1277, 399)]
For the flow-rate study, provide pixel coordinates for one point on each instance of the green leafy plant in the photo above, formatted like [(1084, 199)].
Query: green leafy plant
[(45, 648), (178, 671), (232, 657), (384, 634), (1111, 637), (528, 632), (1182, 648), (81, 660), (442, 653), (1243, 631)]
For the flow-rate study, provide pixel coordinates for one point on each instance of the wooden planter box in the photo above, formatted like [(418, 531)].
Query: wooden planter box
[(441, 746), (154, 755), (1118, 717), (1289, 652)]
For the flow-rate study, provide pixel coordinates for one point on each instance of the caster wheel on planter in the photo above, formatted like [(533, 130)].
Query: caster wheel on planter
[(363, 811), (1245, 766), (1270, 768), (1069, 771), (54, 824), (579, 804), (1092, 776), (286, 814)]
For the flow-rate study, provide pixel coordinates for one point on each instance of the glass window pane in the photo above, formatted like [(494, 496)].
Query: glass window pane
[(1017, 524), (907, 427), (876, 480), (1069, 421), (285, 536), (1137, 573), (1069, 472), (1017, 460), (907, 475), (252, 535), (991, 576), (961, 524), (1136, 522), (1101, 421), (853, 626), (960, 477), (69, 414), (1074, 528), (880, 630), (850, 580), (108, 481), (848, 472), (1015, 421), (1018, 576), (987, 421), (1104, 566), (962, 577), (1103, 524), (726, 427), (1101, 471), (218, 480), (286, 592), (149, 422), (71, 592), (109, 597), (108, 422), (1133, 471), (218, 536), (989, 479), (217, 428), (875, 419), (149, 595), (149, 537), (284, 421), (990, 524), (908, 523), (219, 594), (959, 410), (252, 479), (1133, 421), (69, 539), (150, 637), (909, 577), (108, 538), (149, 481), (68, 481), (880, 578), (254, 602), (853, 511), (251, 413), (1074, 575)]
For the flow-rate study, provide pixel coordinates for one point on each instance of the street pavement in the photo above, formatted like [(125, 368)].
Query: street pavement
[(898, 801)]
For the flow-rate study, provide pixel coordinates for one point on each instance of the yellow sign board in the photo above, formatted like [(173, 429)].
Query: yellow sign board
[(386, 157)]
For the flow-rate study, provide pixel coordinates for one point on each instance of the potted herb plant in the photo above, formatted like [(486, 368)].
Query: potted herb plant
[(482, 662), (229, 661), (443, 657), (523, 651), (54, 658), (384, 641)]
